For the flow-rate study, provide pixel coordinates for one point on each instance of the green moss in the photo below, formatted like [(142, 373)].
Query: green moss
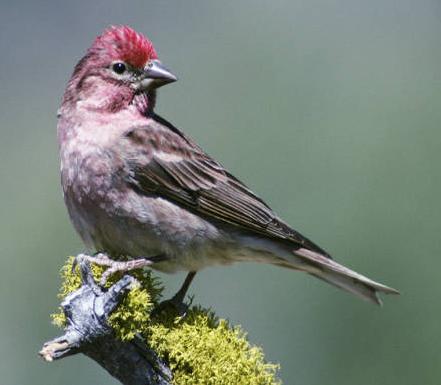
[(200, 348), (132, 315)]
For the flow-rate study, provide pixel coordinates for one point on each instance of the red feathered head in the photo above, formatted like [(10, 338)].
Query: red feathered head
[(125, 44)]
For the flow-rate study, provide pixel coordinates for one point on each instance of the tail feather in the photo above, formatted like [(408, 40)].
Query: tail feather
[(344, 278)]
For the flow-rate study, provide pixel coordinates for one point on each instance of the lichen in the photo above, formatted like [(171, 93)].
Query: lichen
[(201, 349), (133, 313)]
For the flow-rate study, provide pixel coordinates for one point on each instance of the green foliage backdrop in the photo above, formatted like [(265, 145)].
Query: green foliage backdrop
[(330, 110)]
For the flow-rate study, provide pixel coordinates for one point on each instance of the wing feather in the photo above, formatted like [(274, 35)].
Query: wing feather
[(174, 167)]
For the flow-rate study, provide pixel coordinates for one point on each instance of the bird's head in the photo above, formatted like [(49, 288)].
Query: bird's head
[(120, 64)]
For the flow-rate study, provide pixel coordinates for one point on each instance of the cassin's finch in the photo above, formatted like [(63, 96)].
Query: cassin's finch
[(136, 186)]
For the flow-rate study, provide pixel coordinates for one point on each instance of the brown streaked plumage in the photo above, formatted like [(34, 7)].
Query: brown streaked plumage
[(177, 168)]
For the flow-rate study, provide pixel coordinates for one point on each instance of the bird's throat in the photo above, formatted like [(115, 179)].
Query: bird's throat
[(145, 102)]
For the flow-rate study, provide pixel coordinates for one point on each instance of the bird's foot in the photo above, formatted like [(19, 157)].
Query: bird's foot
[(175, 306), (113, 266), (124, 267), (100, 259)]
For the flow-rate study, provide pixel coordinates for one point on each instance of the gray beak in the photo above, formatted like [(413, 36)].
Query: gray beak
[(156, 75)]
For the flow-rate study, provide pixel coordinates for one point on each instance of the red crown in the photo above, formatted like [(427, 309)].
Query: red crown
[(124, 43)]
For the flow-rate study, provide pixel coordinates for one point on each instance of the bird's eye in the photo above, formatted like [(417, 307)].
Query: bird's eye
[(119, 68)]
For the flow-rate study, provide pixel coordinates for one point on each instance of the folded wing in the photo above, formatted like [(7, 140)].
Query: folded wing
[(163, 161)]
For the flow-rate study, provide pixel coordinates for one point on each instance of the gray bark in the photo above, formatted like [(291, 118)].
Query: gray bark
[(87, 310)]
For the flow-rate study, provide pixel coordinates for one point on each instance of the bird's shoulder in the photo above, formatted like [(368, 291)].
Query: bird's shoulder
[(157, 134)]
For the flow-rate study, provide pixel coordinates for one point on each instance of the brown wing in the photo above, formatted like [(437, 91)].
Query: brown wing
[(163, 161)]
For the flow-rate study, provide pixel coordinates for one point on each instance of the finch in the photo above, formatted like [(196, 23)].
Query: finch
[(137, 187)]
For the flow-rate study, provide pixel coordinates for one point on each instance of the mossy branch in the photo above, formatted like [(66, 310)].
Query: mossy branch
[(86, 314), (120, 327)]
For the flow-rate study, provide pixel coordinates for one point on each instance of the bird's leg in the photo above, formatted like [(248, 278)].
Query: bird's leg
[(103, 259), (177, 301), (178, 298)]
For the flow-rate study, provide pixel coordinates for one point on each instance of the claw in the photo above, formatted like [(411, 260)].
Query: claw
[(177, 301), (87, 276), (76, 261), (173, 305)]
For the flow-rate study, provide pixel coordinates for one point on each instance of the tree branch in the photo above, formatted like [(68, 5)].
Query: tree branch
[(87, 311)]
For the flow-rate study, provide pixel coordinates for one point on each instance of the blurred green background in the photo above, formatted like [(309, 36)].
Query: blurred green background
[(329, 110)]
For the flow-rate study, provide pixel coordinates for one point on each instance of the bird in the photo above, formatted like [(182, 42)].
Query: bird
[(140, 192)]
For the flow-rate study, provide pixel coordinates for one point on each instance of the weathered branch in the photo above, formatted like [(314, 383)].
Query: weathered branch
[(127, 330), (87, 311)]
